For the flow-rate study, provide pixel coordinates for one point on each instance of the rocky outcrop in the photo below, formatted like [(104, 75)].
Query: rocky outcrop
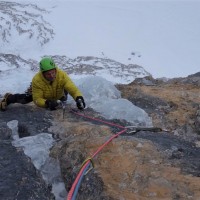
[(173, 104), (19, 179), (135, 165), (145, 165)]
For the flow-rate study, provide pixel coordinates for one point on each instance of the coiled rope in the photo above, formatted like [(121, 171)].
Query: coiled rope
[(88, 162)]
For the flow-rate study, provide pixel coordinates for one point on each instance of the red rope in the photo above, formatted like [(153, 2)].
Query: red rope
[(98, 150), (102, 146), (99, 120)]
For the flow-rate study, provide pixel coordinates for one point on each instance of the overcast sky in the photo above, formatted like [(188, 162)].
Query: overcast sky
[(163, 36)]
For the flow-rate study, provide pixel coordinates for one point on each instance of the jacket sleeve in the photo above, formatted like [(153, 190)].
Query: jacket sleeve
[(71, 87), (37, 93)]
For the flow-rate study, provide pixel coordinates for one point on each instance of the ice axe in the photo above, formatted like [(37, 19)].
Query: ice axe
[(63, 105)]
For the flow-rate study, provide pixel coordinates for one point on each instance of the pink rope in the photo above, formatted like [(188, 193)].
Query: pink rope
[(99, 120), (69, 197)]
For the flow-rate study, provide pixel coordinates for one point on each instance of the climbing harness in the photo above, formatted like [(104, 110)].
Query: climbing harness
[(88, 164)]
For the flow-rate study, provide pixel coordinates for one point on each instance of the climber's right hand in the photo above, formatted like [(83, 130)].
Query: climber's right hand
[(51, 104)]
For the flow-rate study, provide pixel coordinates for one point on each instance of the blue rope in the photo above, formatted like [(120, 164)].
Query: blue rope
[(79, 182)]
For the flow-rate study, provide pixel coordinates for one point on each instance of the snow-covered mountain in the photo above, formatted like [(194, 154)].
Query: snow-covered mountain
[(23, 21), (109, 69), (21, 71), (82, 65), (161, 36), (22, 25)]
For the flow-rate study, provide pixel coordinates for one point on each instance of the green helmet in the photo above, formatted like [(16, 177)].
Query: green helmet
[(47, 64)]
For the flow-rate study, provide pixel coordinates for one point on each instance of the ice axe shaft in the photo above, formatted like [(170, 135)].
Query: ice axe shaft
[(63, 104)]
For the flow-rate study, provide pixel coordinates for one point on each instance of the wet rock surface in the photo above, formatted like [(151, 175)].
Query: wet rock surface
[(31, 119), (19, 179)]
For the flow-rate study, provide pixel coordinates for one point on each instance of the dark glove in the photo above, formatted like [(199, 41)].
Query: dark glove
[(80, 103), (51, 104), (63, 98)]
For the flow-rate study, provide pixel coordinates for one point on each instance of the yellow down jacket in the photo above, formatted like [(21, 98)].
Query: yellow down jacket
[(43, 89)]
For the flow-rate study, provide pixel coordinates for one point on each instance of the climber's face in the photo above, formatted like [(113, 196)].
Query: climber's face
[(50, 75)]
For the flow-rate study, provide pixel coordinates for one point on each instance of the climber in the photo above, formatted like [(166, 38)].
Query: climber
[(48, 86)]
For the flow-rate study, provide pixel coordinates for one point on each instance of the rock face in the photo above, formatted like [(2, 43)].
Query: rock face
[(19, 179), (173, 104), (142, 165)]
